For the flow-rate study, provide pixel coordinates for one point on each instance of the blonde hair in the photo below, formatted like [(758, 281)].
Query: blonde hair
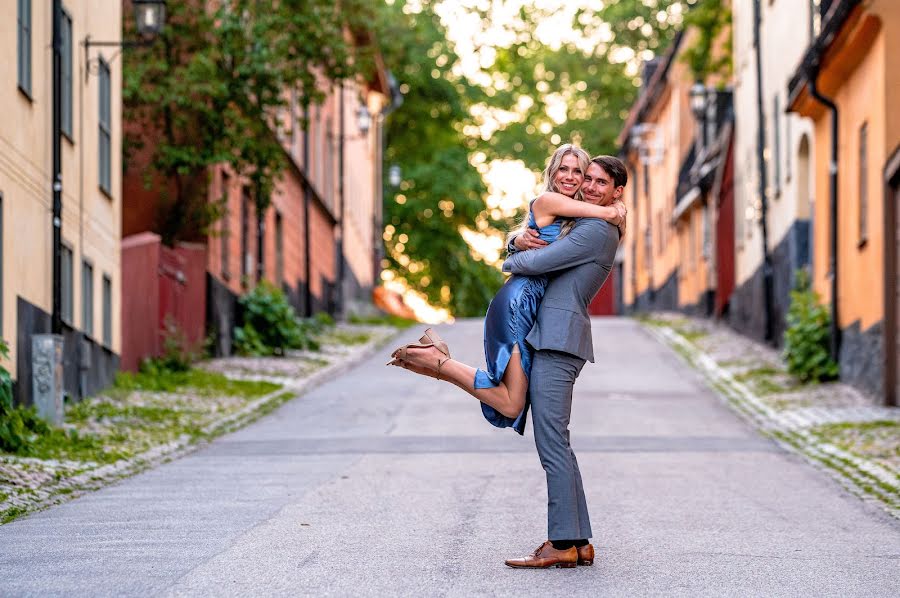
[(548, 184)]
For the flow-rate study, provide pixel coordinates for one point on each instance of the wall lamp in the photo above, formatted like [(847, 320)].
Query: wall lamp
[(149, 18)]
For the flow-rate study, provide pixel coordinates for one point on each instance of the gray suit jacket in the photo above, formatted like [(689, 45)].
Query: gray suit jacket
[(578, 264)]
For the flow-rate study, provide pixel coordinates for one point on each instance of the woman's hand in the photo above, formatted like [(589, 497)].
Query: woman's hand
[(530, 239)]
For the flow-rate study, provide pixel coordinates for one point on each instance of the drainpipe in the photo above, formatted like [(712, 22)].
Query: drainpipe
[(764, 201), (835, 345), (629, 165), (340, 244), (57, 169), (307, 301)]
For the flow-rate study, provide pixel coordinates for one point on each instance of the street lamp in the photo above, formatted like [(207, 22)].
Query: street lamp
[(149, 20), (149, 16), (395, 177), (363, 119), (698, 99)]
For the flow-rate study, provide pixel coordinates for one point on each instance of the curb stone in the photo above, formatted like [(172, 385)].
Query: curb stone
[(68, 488), (868, 480)]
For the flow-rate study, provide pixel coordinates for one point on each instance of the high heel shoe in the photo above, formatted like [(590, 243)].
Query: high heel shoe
[(429, 339), (432, 337)]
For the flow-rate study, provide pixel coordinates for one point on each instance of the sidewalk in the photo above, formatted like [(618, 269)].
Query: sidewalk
[(832, 424), (126, 430)]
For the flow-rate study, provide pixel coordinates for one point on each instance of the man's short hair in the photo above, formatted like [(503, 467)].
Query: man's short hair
[(614, 168)]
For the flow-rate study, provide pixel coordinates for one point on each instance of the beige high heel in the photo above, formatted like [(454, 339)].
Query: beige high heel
[(429, 339)]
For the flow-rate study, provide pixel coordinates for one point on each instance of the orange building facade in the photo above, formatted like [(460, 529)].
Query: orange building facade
[(854, 266)]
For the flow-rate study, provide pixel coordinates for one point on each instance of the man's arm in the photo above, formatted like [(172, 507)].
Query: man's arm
[(580, 246), (529, 239)]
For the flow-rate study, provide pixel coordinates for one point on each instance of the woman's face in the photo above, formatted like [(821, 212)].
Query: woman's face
[(569, 177)]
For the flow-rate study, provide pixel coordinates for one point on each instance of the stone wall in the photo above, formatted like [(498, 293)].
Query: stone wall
[(862, 357)]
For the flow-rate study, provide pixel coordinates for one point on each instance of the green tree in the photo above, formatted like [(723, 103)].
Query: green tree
[(711, 18), (216, 86), (440, 191)]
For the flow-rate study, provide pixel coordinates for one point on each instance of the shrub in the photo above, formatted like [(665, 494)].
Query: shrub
[(270, 325), (806, 340), (20, 428)]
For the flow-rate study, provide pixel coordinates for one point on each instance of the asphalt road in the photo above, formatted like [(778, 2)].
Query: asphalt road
[(382, 483)]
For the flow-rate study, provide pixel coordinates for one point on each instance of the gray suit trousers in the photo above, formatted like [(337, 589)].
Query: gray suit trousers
[(553, 375)]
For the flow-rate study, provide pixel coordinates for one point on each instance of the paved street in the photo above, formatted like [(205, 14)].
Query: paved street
[(384, 483)]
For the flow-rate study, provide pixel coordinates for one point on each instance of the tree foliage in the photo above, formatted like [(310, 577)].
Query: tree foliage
[(440, 191), (211, 89), (712, 19), (527, 97)]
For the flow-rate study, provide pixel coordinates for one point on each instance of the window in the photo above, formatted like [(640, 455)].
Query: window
[(776, 136), (66, 283), (246, 258), (87, 298), (225, 230), (66, 66), (863, 184), (788, 149), (107, 311), (105, 142), (24, 53), (279, 250)]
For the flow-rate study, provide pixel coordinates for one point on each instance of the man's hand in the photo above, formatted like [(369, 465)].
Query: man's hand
[(530, 239)]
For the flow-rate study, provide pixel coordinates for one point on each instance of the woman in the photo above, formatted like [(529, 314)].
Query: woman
[(502, 388)]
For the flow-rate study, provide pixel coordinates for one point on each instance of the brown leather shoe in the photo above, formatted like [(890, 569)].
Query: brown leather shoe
[(546, 556), (586, 555)]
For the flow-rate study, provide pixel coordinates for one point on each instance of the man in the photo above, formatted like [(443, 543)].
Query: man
[(561, 337)]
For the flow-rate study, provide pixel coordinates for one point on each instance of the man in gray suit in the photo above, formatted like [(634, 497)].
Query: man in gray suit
[(578, 264)]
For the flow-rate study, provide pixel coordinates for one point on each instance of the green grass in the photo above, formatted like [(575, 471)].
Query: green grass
[(345, 337), (760, 379), (383, 320), (194, 380)]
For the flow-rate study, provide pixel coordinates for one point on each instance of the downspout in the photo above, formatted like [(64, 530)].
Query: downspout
[(835, 345), (56, 322), (763, 176), (307, 301), (340, 243), (629, 165)]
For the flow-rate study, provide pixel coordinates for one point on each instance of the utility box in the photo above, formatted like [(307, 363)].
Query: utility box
[(47, 377)]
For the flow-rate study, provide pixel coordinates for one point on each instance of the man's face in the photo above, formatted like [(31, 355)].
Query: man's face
[(599, 187), (569, 176)]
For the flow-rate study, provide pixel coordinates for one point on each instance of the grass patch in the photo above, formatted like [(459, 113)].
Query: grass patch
[(194, 380), (345, 337), (762, 380), (12, 513), (383, 320)]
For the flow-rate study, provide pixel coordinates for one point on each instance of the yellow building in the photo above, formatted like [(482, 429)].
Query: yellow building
[(851, 65), (91, 197), (675, 169)]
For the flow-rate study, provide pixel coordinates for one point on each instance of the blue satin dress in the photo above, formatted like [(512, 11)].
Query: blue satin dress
[(509, 319)]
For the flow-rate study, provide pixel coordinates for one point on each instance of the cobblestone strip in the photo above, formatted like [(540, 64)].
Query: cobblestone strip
[(83, 477), (866, 479)]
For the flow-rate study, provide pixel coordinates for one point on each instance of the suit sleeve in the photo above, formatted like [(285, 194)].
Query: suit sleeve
[(511, 246), (581, 246)]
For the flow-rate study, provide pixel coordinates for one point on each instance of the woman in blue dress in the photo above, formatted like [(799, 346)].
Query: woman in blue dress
[(502, 387)]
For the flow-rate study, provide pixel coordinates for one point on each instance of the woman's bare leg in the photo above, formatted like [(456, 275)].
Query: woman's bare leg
[(508, 398)]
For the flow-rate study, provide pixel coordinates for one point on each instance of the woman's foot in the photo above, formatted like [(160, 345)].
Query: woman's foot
[(426, 360)]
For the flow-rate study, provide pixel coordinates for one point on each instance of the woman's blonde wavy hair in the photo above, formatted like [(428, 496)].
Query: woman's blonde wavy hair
[(550, 171)]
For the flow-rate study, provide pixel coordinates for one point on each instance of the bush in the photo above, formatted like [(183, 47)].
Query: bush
[(270, 325), (806, 340), (20, 428)]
